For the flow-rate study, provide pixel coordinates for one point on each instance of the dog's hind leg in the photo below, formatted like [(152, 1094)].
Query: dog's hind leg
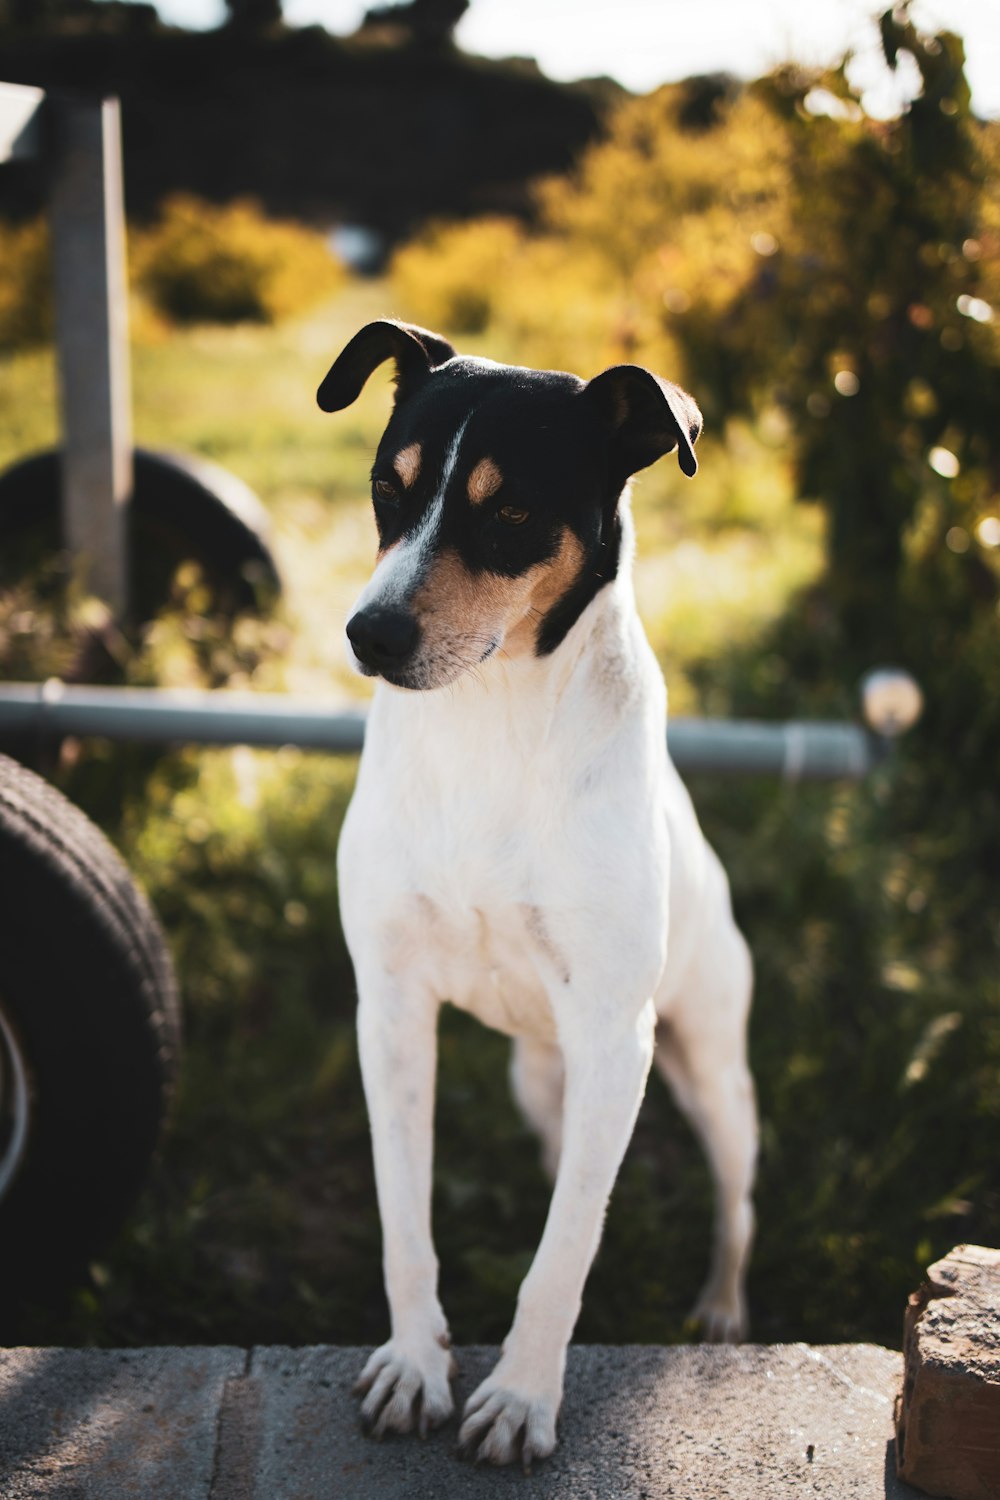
[(701, 1052), (536, 1080)]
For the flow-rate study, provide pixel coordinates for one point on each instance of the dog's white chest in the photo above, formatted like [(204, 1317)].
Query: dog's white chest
[(491, 963)]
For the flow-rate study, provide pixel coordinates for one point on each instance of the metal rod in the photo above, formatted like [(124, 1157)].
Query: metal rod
[(795, 750)]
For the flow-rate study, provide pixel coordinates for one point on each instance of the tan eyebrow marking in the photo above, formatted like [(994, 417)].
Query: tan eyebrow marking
[(407, 463), (484, 481)]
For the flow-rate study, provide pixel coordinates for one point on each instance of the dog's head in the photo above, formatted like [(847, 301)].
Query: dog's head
[(496, 495)]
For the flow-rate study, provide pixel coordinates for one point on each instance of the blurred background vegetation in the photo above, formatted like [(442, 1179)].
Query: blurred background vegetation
[(825, 283)]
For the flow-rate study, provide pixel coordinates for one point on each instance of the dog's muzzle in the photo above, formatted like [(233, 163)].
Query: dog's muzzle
[(384, 640)]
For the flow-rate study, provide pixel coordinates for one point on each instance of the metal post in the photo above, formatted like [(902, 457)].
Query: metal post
[(91, 300)]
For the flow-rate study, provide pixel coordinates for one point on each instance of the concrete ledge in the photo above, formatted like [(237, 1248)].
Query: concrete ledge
[(281, 1424), (108, 1423)]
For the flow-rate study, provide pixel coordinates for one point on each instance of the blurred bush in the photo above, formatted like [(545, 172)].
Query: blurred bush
[(457, 274), (494, 274), (205, 264), (25, 285), (657, 217), (197, 264)]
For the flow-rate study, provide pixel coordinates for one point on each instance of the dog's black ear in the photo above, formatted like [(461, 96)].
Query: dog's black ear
[(647, 417), (415, 350)]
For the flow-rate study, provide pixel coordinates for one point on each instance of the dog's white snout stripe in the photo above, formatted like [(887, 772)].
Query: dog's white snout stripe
[(400, 571)]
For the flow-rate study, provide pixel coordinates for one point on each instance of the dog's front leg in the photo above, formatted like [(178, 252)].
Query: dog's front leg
[(406, 1382), (514, 1410)]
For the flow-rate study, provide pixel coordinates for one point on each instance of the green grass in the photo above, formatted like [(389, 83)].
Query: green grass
[(259, 1222)]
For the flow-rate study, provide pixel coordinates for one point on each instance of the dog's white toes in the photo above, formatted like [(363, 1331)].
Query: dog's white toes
[(501, 1426), (476, 1420), (403, 1390), (721, 1321)]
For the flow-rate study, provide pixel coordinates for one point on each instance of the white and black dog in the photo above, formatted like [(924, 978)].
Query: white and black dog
[(519, 844)]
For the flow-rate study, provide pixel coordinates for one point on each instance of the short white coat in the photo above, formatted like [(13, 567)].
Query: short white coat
[(520, 845)]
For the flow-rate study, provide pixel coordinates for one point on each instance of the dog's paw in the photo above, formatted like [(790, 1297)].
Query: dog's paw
[(406, 1387), (501, 1424), (720, 1319)]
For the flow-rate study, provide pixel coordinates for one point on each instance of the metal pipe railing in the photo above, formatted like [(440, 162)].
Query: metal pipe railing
[(52, 710)]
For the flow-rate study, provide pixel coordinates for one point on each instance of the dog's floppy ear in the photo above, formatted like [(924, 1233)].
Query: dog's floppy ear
[(647, 417), (415, 350)]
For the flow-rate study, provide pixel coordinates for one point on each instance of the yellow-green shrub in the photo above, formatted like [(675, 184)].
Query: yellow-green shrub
[(202, 263), (544, 299), (657, 219), (453, 276), (25, 285)]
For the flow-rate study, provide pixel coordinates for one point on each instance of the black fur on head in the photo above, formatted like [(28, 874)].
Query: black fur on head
[(648, 416), (415, 350), (497, 490)]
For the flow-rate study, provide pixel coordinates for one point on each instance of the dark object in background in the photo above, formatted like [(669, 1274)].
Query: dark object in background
[(107, 15), (424, 23), (254, 14), (89, 1036), (315, 127), (182, 508), (703, 99)]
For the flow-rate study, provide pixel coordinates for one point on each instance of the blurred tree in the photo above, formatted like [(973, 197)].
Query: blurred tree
[(254, 15), (426, 23), (857, 323), (37, 15), (865, 315), (52, 16)]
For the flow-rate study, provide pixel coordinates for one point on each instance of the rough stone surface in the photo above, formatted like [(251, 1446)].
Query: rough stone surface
[(637, 1422), (642, 1421), (948, 1414), (281, 1424), (107, 1424)]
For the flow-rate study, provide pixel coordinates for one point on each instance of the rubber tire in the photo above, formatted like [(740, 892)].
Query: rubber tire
[(88, 986), (182, 507)]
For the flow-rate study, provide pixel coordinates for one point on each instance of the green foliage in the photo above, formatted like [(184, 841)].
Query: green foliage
[(25, 285), (871, 328), (620, 246), (201, 263)]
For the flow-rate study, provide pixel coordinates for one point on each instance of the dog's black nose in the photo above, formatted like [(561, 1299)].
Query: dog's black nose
[(383, 638)]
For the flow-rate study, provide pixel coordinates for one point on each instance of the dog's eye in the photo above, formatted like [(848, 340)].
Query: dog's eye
[(511, 516), (383, 490)]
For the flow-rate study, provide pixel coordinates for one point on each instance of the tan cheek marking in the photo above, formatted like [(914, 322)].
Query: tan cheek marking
[(484, 481), (550, 582), (453, 602), (407, 463)]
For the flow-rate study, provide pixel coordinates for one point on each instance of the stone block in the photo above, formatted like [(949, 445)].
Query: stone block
[(111, 1424), (948, 1414)]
